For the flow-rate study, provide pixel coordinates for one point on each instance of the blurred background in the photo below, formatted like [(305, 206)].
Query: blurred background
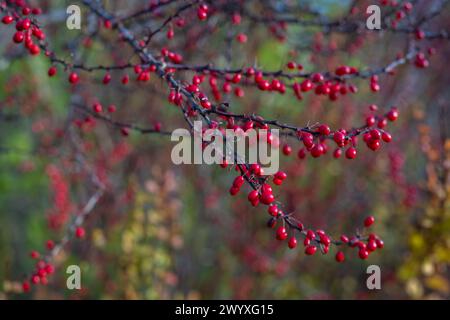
[(162, 231)]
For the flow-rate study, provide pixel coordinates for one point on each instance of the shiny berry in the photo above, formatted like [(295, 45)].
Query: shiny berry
[(50, 244), (369, 221), (281, 233), (310, 250), (340, 257), (52, 71), (97, 107), (350, 153), (363, 254), (392, 115), (18, 37), (73, 78), (26, 287), (7, 19), (80, 232), (287, 150), (386, 137), (292, 242)]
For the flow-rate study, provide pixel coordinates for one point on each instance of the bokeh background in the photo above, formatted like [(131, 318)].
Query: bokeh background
[(163, 231)]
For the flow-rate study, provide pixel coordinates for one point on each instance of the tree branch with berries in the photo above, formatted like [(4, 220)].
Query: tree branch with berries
[(164, 50)]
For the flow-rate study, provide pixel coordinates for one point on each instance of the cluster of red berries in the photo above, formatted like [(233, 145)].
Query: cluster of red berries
[(202, 12), (421, 60), (26, 30), (263, 193), (401, 13), (331, 88), (42, 269), (315, 142), (314, 240)]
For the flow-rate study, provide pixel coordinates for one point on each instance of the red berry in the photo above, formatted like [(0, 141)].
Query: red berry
[(7, 19), (325, 240), (73, 78), (301, 153), (112, 108), (375, 134), (50, 244), (291, 65), (350, 153), (18, 37), (52, 71), (125, 131), (287, 150), (234, 191), (380, 243), (386, 137), (253, 195), (339, 138), (26, 24), (420, 34), (38, 34), (317, 150), (49, 269), (371, 245), (369, 221), (310, 234), (310, 250), (324, 129), (26, 287), (392, 115), (34, 49), (170, 33), (35, 279), (241, 37), (337, 153), (107, 78), (281, 175), (382, 123), (238, 181), (292, 242), (80, 232), (363, 254), (306, 85), (375, 87), (340, 257), (273, 210), (374, 144), (236, 19), (97, 107), (281, 233), (267, 198), (202, 14), (264, 85), (107, 24), (236, 78)]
